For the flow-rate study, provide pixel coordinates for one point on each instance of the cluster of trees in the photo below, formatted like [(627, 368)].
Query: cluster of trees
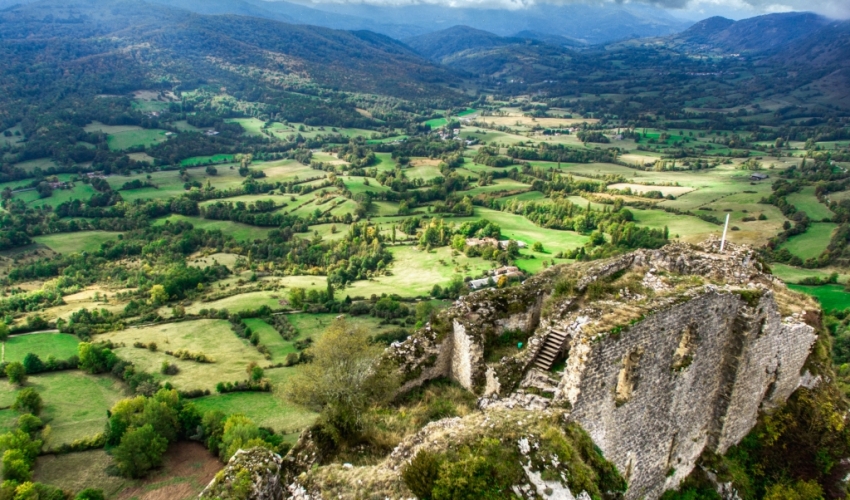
[(140, 429)]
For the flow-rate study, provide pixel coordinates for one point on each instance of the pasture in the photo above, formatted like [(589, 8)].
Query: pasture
[(79, 191), (214, 338), (40, 163), (813, 242), (415, 272), (266, 409), (790, 274), (131, 138), (81, 241), (75, 403), (806, 201), (206, 160), (188, 467), (97, 126), (641, 189), (831, 297), (58, 345), (237, 230)]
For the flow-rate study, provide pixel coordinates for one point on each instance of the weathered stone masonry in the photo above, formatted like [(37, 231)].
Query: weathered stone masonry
[(688, 375), (742, 358)]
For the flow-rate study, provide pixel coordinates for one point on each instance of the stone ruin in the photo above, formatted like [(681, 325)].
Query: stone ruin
[(660, 355)]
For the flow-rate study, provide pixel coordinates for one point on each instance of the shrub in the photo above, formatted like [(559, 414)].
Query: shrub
[(421, 473), (90, 494), (29, 423), (28, 401), (169, 368), (33, 364), (292, 359), (16, 373)]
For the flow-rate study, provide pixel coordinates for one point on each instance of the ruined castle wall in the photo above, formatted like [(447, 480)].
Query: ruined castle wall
[(463, 357), (656, 395), (769, 371)]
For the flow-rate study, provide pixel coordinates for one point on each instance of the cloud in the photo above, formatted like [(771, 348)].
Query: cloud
[(697, 9)]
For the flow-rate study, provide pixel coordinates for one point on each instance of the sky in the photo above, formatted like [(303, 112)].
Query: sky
[(685, 9)]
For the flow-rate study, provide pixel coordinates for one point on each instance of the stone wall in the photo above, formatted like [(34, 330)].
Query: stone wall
[(687, 378)]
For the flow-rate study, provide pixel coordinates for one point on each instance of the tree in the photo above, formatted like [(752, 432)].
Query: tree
[(16, 467), (20, 440), (33, 364), (343, 380), (94, 358), (158, 295), (537, 246), (140, 450), (4, 332), (28, 401), (16, 372), (239, 432)]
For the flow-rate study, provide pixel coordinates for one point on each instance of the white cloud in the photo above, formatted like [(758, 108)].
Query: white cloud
[(691, 9)]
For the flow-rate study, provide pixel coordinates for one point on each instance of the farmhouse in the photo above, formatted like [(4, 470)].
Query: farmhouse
[(758, 176), (475, 242)]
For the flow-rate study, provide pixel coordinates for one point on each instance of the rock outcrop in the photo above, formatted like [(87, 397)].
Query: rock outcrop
[(668, 352), (250, 474), (659, 355)]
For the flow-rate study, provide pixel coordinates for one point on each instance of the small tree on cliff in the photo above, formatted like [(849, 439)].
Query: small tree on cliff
[(343, 381)]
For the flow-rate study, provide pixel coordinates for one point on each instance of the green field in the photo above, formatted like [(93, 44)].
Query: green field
[(519, 228), (806, 201), (75, 403), (813, 242), (214, 338), (81, 241), (79, 191), (271, 339), (42, 163), (143, 137), (206, 160), (831, 297), (436, 123), (266, 409), (790, 274), (58, 345), (235, 229)]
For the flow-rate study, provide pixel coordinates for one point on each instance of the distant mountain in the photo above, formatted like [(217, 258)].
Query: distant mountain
[(753, 35), (828, 47), (559, 40), (597, 23), (441, 44), (174, 43), (482, 54)]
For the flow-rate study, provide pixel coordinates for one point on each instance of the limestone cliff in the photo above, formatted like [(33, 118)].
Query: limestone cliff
[(659, 355)]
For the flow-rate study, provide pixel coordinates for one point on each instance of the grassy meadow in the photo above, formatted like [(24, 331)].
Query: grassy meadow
[(213, 338), (45, 345), (82, 241), (75, 403)]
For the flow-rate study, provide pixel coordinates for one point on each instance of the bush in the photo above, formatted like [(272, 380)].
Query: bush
[(33, 364), (292, 359), (421, 473), (28, 401), (90, 494), (169, 368), (16, 373), (29, 423)]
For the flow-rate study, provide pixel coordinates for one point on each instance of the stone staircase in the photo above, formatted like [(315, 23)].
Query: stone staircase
[(548, 353)]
